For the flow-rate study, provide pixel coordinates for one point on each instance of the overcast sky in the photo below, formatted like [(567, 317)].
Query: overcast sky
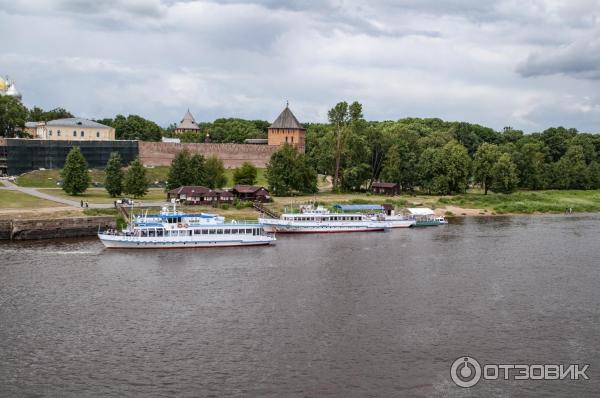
[(525, 64)]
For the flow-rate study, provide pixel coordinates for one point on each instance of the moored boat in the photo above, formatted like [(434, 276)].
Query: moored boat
[(320, 220), (176, 230), (423, 217), (400, 221)]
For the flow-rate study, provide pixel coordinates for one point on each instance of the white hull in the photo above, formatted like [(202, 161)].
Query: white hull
[(283, 226), (401, 223), (134, 242)]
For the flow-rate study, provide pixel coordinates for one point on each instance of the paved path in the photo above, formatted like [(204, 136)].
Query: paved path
[(74, 203)]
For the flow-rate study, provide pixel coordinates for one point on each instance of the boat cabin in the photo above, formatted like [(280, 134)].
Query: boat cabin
[(419, 214)]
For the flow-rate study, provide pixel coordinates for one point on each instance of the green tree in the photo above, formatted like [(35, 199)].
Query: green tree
[(186, 169), (197, 172), (445, 170), (458, 166), (13, 116), (180, 172), (484, 160), (571, 172), (594, 175), (530, 161), (113, 182), (289, 171), (215, 172), (504, 175), (246, 174), (342, 116), (236, 130), (37, 114), (134, 127), (136, 181), (75, 175)]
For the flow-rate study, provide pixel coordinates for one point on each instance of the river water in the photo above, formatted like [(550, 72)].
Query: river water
[(344, 315)]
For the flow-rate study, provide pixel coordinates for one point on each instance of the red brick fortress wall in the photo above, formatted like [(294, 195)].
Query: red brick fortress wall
[(233, 155)]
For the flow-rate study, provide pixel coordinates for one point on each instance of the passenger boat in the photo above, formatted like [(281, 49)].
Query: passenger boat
[(398, 221), (320, 220), (173, 229), (423, 217)]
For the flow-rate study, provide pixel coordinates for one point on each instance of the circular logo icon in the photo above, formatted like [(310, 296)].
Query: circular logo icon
[(465, 372)]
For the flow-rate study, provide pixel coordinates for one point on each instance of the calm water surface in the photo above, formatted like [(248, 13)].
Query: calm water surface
[(349, 315)]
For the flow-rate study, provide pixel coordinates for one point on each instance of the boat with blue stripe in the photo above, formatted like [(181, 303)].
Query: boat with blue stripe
[(173, 229)]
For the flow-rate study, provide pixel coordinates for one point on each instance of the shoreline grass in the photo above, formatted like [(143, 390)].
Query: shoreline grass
[(100, 196), (14, 200), (528, 202), (50, 178)]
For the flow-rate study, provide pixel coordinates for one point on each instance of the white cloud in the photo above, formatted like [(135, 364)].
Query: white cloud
[(528, 65)]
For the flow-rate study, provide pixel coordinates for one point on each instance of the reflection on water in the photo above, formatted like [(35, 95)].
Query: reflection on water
[(374, 314)]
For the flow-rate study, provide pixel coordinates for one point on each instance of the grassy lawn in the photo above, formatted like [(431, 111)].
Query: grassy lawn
[(551, 201), (18, 200), (50, 178), (99, 195)]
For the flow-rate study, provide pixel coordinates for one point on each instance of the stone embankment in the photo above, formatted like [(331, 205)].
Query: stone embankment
[(54, 228)]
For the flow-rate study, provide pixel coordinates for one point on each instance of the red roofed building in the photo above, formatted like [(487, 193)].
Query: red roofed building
[(199, 195), (387, 188), (251, 192)]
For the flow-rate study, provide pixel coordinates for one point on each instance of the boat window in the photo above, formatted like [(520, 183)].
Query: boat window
[(248, 231), (212, 232), (220, 231), (205, 232)]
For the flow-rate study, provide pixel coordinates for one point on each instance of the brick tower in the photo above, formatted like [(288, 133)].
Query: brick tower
[(287, 129)]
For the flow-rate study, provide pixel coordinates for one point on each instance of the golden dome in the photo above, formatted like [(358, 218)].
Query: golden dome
[(3, 84)]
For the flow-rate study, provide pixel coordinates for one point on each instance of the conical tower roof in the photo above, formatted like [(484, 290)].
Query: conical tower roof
[(188, 122), (286, 120)]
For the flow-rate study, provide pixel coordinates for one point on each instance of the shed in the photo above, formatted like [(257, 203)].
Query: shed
[(251, 192), (198, 195), (386, 188)]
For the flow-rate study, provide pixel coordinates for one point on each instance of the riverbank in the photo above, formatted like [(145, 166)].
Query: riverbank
[(53, 228), (56, 204)]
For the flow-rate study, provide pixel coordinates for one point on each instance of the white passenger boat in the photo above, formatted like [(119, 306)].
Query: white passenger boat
[(398, 221), (176, 230), (320, 220)]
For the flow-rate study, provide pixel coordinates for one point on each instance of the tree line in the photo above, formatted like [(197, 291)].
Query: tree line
[(76, 177), (431, 155), (13, 115), (440, 157), (185, 169)]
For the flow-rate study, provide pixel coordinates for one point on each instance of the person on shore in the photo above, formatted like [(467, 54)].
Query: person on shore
[(81, 203), (87, 204)]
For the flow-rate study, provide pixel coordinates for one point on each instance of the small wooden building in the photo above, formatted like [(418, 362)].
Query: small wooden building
[(199, 195), (385, 188), (251, 192)]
